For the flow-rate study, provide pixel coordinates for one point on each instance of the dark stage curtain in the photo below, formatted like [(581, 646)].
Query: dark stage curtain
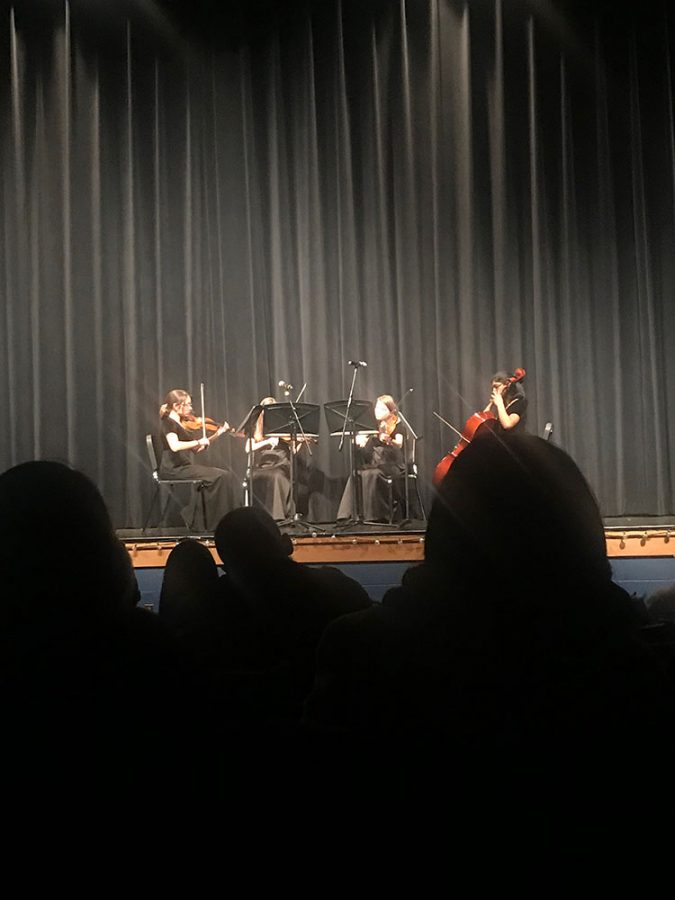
[(442, 189)]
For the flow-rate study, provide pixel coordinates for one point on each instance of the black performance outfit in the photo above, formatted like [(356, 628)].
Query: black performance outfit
[(375, 462), (217, 488), (518, 405), (272, 479)]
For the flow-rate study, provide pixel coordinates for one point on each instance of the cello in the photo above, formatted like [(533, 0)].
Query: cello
[(483, 419)]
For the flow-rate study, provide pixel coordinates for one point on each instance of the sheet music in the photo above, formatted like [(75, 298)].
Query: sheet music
[(298, 437), (339, 433)]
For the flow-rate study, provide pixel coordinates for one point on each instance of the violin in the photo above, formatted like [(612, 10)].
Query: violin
[(205, 426), (191, 422), (484, 420)]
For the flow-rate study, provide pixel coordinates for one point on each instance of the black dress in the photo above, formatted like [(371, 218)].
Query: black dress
[(376, 462), (272, 480), (217, 490)]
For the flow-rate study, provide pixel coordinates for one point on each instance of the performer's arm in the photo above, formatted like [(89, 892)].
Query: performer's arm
[(506, 419), (258, 445), (177, 445), (395, 440)]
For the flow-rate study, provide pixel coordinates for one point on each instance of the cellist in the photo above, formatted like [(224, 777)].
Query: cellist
[(507, 402), (505, 411)]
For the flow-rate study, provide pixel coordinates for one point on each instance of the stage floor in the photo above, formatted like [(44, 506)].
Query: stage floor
[(330, 543), (325, 542)]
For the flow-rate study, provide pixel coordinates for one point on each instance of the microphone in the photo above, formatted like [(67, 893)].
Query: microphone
[(403, 396), (357, 362), (285, 385)]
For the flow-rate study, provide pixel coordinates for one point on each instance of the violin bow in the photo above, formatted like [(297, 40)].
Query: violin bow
[(201, 391), (445, 422)]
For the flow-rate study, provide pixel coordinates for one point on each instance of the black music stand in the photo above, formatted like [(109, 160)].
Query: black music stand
[(351, 418), (247, 429), (292, 421)]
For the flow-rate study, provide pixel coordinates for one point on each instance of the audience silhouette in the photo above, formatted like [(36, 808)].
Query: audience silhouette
[(283, 606), (510, 642), (86, 678), (661, 605), (511, 638), (188, 586)]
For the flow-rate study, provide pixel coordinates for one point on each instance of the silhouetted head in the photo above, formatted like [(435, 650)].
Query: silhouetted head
[(661, 605), (57, 544), (249, 537), (517, 510), (190, 576)]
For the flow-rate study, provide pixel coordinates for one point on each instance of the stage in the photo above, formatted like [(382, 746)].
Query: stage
[(327, 544), (642, 553), (330, 544), (244, 258)]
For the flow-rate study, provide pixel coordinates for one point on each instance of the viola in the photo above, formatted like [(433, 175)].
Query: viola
[(386, 428), (483, 420)]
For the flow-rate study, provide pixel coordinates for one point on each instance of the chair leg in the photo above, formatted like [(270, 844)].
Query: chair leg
[(163, 510), (200, 489), (191, 525), (419, 498), (152, 506), (202, 495)]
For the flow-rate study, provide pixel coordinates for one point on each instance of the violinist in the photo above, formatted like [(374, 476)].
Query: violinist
[(272, 470), (180, 442), (507, 402), (380, 456)]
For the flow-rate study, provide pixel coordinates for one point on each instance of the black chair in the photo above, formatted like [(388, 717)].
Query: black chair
[(409, 497), (400, 503), (403, 491), (154, 453), (392, 504), (414, 491)]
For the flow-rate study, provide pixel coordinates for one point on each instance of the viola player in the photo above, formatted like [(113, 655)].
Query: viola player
[(380, 455)]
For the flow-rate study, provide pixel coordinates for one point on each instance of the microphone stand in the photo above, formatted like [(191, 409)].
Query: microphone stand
[(248, 429), (349, 406), (356, 481), (295, 517), (287, 394), (293, 510)]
